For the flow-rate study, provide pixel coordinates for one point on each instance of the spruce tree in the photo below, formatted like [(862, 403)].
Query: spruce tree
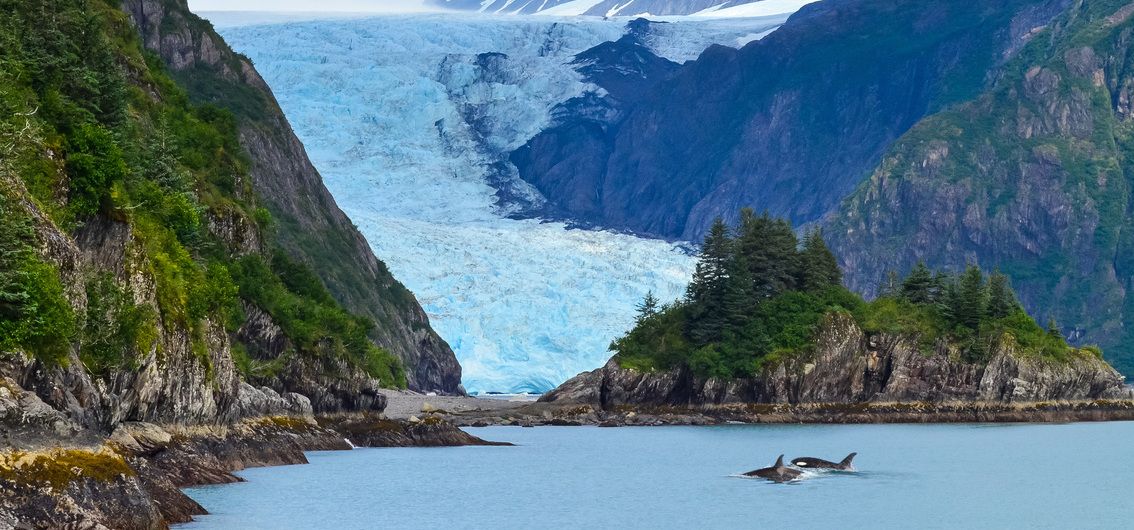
[(949, 300), (1053, 330), (941, 281), (818, 268), (918, 287), (971, 301), (648, 307), (708, 294), (768, 249), (1001, 300)]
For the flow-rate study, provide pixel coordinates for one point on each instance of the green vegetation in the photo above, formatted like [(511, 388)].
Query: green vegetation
[(297, 301), (34, 314), (116, 329), (758, 297), (94, 131)]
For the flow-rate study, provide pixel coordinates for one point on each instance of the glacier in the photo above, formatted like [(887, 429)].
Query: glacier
[(408, 118)]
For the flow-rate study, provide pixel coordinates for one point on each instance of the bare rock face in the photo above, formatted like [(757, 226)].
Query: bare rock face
[(252, 402), (849, 367), (331, 385), (311, 227)]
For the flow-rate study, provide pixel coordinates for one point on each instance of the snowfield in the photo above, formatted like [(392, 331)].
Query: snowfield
[(404, 118)]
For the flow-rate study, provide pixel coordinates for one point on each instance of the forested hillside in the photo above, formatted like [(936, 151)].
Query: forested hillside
[(143, 276)]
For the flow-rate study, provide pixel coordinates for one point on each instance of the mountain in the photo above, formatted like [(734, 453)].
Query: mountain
[(993, 134), (1031, 176), (152, 265), (788, 123), (309, 224), (611, 8)]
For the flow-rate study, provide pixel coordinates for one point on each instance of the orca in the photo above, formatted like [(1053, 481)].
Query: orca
[(776, 473), (808, 462)]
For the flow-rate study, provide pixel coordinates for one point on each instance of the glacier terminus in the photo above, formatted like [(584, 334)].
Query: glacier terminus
[(408, 118)]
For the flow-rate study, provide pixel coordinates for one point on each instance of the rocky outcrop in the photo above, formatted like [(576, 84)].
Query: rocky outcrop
[(133, 479), (310, 226), (181, 375), (847, 366), (430, 431), (334, 385)]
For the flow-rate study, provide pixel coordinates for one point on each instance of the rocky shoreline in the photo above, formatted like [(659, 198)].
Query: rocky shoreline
[(481, 412), (133, 478), (547, 414)]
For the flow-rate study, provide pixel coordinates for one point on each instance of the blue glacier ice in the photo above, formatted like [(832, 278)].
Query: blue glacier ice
[(405, 117)]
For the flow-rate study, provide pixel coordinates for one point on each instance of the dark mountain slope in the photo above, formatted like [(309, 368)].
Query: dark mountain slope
[(1033, 176), (790, 123)]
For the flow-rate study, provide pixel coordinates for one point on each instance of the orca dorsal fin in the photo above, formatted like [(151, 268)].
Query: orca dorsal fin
[(846, 461), (779, 462)]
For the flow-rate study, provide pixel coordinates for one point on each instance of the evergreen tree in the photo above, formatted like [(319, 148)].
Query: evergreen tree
[(818, 268), (1053, 330), (710, 294), (969, 304), (938, 286), (648, 307), (1001, 300), (768, 249), (918, 287), (738, 295)]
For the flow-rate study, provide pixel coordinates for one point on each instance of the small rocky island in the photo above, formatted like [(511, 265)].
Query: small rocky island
[(855, 378), (767, 322)]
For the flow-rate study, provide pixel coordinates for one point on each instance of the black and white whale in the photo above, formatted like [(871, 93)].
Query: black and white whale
[(808, 462), (777, 473)]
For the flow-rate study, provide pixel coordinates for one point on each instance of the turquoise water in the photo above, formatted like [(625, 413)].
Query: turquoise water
[(909, 476)]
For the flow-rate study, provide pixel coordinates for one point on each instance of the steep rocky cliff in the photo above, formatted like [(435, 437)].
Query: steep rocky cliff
[(848, 366), (789, 123), (1032, 177), (309, 225), (141, 276)]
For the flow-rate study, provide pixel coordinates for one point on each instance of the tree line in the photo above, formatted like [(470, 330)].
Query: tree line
[(759, 292)]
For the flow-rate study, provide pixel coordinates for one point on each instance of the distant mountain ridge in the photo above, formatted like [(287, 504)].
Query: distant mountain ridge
[(612, 8), (758, 126)]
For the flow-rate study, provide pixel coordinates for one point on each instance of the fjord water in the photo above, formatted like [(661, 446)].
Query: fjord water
[(909, 476)]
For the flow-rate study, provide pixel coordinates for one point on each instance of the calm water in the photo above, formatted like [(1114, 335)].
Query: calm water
[(910, 476)]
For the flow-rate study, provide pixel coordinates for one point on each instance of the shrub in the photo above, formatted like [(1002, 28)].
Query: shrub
[(34, 313), (116, 329)]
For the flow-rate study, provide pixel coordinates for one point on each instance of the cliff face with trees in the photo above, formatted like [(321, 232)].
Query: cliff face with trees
[(145, 272), (308, 225), (766, 320), (1033, 175), (169, 256)]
